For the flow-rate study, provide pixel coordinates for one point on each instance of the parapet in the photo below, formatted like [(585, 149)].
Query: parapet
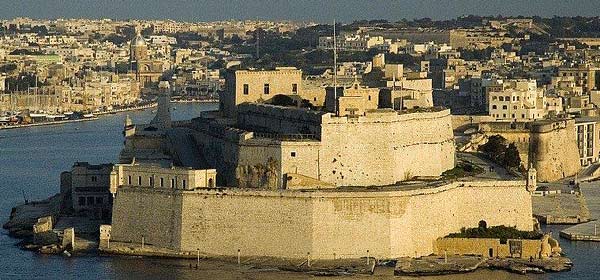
[(538, 126)]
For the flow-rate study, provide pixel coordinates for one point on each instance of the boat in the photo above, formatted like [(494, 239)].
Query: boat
[(88, 115), (56, 117), (38, 115)]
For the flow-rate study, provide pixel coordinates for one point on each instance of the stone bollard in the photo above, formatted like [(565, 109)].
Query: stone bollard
[(69, 238)]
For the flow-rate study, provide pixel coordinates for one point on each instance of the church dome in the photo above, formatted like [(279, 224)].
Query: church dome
[(138, 41)]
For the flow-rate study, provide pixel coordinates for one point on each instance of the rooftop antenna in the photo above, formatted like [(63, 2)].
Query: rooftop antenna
[(334, 70)]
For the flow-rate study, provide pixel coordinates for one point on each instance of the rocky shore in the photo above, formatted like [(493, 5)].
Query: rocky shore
[(438, 265), (24, 216)]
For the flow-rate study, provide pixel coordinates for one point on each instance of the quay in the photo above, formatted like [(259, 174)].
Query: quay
[(583, 232), (588, 231), (46, 123), (114, 111)]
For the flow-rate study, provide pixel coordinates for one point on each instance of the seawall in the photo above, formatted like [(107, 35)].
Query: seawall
[(326, 224)]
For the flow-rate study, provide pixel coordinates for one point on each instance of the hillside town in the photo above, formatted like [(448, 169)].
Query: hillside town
[(438, 146)]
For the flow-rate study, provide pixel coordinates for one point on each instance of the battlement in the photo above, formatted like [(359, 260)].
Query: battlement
[(539, 126)]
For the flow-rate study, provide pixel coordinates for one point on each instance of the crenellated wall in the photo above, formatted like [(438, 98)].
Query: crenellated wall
[(290, 224)]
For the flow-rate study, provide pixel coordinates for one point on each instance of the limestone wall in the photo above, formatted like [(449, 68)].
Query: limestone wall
[(556, 152), (291, 223), (379, 148), (485, 246), (152, 213), (550, 145), (386, 148)]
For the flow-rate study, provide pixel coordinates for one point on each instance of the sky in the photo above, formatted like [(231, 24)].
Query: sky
[(302, 10)]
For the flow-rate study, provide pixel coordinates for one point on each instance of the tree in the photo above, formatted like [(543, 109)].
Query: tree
[(511, 156), (494, 148)]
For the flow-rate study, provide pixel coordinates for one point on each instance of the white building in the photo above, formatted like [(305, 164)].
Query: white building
[(518, 100)]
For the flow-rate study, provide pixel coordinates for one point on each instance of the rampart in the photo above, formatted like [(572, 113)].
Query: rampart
[(381, 147), (550, 145), (327, 224)]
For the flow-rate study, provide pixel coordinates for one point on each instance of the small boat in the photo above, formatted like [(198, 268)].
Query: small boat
[(37, 115), (88, 115)]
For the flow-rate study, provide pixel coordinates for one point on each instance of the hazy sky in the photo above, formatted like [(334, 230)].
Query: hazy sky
[(324, 10)]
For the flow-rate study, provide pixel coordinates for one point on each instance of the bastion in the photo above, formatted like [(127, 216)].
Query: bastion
[(548, 145), (379, 147), (387, 222)]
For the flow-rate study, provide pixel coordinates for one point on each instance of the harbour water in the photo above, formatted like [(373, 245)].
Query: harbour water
[(31, 160)]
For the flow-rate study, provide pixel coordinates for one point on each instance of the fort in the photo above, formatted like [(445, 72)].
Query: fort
[(328, 224), (337, 150), (296, 181)]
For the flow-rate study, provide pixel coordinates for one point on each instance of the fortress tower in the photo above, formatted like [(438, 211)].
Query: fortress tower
[(162, 120)]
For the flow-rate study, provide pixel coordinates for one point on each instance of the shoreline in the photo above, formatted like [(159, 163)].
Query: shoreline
[(46, 123), (101, 113), (94, 118), (196, 101)]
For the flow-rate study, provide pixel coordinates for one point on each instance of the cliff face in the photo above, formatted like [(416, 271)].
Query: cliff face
[(554, 152)]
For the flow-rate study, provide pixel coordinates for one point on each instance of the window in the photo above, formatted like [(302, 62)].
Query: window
[(139, 180), (266, 89), (183, 184), (94, 178), (293, 154), (501, 98), (504, 107), (129, 180), (494, 107), (162, 182), (81, 201), (90, 200), (246, 89), (151, 181), (173, 184), (295, 88), (369, 98), (99, 200)]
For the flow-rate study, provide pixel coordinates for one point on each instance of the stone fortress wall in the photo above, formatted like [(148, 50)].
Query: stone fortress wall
[(381, 147), (326, 224), (549, 145)]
